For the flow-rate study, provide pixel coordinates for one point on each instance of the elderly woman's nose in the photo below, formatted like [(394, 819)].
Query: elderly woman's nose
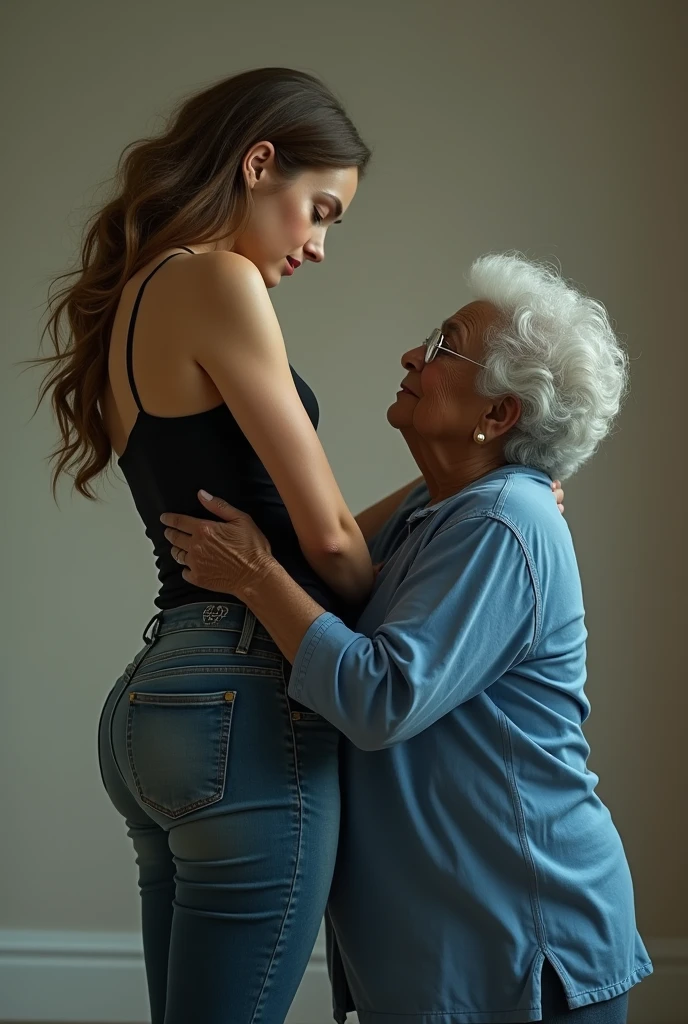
[(414, 359)]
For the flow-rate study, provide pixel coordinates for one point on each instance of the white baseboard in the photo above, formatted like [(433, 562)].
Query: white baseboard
[(663, 997), (98, 978)]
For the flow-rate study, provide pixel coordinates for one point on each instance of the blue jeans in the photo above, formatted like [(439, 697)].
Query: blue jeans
[(230, 792)]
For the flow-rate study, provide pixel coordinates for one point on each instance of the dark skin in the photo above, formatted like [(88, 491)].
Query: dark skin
[(455, 435), (440, 413)]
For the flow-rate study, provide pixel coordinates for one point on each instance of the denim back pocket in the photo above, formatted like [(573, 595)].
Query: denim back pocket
[(177, 747)]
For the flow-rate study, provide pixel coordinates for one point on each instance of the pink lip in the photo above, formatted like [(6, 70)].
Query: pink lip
[(292, 265)]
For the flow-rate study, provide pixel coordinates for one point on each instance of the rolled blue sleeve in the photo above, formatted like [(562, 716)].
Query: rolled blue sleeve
[(464, 614)]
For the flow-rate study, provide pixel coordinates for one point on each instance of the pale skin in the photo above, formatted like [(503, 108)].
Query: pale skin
[(455, 435), (207, 333)]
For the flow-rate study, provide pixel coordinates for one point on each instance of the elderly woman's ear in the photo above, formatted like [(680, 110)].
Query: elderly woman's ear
[(498, 420)]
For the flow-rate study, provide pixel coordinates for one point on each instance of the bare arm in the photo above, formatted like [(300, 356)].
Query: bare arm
[(371, 520), (239, 344)]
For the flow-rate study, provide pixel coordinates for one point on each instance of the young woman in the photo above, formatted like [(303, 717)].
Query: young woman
[(175, 364)]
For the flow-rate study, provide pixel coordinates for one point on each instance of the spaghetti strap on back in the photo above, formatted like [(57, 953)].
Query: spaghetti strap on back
[(132, 325)]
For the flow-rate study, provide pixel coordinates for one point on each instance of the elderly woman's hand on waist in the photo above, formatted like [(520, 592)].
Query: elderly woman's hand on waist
[(224, 557)]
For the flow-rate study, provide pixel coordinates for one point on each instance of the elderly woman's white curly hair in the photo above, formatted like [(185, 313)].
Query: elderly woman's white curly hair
[(555, 350)]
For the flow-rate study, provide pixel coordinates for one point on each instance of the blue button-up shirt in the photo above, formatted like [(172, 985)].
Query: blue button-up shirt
[(473, 843)]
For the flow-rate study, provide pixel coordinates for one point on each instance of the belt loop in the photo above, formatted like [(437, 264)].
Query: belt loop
[(155, 622), (246, 633)]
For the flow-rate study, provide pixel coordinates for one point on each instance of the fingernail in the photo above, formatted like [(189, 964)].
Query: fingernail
[(206, 496)]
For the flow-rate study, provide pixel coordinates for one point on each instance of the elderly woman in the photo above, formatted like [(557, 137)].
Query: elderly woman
[(480, 877)]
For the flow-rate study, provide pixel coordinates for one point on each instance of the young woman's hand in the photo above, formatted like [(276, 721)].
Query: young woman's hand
[(558, 492)]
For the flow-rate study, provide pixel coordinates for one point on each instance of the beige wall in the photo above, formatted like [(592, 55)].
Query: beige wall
[(556, 128)]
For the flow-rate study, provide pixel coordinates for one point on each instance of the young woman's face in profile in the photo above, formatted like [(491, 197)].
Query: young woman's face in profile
[(289, 223)]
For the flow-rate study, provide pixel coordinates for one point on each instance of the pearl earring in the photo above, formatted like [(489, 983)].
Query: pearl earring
[(480, 437)]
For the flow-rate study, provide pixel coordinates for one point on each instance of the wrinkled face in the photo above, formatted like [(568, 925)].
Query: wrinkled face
[(438, 399), (289, 222)]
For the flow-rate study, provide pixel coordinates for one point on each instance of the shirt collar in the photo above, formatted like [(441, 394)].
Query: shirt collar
[(428, 510)]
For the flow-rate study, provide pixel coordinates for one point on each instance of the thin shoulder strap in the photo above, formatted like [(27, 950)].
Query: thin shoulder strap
[(132, 325)]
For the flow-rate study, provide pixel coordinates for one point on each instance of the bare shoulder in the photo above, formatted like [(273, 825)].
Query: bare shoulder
[(218, 296), (200, 303), (223, 279)]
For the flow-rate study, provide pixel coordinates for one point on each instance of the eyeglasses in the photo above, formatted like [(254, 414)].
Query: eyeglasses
[(435, 343)]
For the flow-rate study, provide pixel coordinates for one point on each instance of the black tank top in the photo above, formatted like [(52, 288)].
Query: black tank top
[(169, 459)]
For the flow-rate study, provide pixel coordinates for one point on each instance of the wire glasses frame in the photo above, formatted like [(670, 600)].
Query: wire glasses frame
[(434, 343)]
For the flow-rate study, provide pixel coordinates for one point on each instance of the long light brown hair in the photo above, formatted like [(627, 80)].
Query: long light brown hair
[(183, 185)]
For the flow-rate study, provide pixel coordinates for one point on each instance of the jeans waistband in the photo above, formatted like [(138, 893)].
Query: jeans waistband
[(229, 616)]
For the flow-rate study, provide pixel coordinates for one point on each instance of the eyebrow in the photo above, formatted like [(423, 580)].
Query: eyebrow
[(450, 328), (338, 208)]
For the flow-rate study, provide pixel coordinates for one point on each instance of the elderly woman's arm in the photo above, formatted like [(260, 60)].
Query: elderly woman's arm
[(463, 615)]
